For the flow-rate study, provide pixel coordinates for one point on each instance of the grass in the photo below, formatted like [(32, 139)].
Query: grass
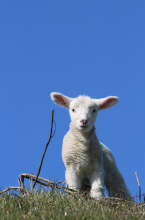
[(53, 204)]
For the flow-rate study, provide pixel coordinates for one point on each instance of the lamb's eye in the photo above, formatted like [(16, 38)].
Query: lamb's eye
[(94, 110), (73, 110)]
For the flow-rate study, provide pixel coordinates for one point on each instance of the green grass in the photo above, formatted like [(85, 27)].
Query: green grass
[(57, 205)]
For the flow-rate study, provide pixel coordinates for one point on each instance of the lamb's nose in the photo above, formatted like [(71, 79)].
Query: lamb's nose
[(84, 122)]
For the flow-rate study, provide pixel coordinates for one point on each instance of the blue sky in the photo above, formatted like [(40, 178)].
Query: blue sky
[(96, 48)]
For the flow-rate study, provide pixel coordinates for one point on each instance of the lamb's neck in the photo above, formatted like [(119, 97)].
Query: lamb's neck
[(84, 137)]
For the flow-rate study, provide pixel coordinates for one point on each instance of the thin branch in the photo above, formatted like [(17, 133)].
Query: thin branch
[(50, 136), (9, 188), (137, 179), (137, 196), (138, 186), (45, 182), (30, 176)]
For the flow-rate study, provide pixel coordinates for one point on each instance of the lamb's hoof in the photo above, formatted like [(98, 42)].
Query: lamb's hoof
[(97, 194)]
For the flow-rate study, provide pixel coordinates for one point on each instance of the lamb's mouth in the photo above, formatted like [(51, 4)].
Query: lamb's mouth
[(83, 126)]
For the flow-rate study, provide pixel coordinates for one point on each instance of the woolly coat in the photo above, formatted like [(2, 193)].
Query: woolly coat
[(83, 153)]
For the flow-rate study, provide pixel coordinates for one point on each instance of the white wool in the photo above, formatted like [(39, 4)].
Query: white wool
[(82, 154)]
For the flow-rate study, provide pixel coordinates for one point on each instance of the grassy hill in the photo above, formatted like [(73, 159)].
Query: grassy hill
[(53, 204)]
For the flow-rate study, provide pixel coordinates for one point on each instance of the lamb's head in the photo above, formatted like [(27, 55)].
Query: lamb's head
[(83, 110)]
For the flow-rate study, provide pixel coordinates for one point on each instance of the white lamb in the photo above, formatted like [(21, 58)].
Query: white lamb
[(84, 157)]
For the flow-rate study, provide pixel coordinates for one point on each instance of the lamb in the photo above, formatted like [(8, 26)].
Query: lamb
[(86, 160)]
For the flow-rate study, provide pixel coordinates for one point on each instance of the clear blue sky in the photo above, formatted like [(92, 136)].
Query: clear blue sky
[(93, 47)]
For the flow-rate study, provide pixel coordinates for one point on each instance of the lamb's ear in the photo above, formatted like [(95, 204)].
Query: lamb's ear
[(106, 102), (61, 99)]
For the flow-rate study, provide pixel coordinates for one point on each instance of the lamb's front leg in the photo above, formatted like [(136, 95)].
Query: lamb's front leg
[(97, 183), (73, 179)]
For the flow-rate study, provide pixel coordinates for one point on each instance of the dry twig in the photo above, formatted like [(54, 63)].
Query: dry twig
[(138, 186), (44, 182), (9, 188), (50, 136)]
